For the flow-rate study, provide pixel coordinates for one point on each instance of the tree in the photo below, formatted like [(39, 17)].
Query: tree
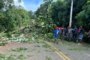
[(84, 17), (60, 11), (13, 16), (1, 4), (31, 14)]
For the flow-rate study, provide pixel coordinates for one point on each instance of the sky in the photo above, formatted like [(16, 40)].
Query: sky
[(30, 4)]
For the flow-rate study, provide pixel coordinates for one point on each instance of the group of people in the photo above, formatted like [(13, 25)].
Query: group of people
[(69, 33)]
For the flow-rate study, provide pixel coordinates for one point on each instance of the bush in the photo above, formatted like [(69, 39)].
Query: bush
[(50, 35), (9, 34), (3, 44), (85, 37), (2, 28)]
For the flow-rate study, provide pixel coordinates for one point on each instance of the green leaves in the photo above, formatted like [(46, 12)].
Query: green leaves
[(88, 1), (13, 16), (83, 17)]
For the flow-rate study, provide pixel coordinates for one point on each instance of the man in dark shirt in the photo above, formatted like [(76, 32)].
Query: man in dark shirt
[(75, 33), (66, 32)]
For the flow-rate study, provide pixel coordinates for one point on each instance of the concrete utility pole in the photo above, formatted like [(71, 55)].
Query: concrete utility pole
[(71, 12)]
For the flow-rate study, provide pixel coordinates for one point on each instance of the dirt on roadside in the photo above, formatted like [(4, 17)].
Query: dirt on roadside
[(34, 51)]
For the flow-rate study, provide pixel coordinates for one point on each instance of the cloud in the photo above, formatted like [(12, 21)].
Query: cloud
[(54, 0), (33, 6), (17, 3), (30, 4)]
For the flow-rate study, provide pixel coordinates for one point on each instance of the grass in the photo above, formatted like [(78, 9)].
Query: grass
[(37, 46), (65, 43), (49, 47), (32, 50), (48, 50), (47, 58), (51, 53), (22, 49), (66, 54), (14, 55), (78, 49), (21, 57), (38, 51), (2, 57), (3, 44), (46, 46), (30, 55), (10, 58)]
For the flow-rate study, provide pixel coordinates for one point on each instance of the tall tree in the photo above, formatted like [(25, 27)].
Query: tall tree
[(84, 16)]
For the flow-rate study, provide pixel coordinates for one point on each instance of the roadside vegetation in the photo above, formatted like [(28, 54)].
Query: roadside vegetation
[(39, 26)]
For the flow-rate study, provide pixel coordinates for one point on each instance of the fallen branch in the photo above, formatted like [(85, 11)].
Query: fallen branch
[(18, 30), (3, 31)]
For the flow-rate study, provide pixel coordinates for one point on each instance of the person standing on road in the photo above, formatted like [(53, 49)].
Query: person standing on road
[(78, 33), (81, 34), (66, 33), (69, 33), (60, 31), (75, 34), (56, 34)]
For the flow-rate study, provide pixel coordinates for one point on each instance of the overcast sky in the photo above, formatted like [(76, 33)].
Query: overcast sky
[(30, 4)]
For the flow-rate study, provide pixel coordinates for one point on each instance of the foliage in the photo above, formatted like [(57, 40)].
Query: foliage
[(60, 11), (30, 55), (12, 16), (44, 18), (9, 34), (3, 44), (2, 57), (47, 58), (50, 35), (20, 49), (78, 49), (85, 38), (31, 14), (38, 51), (84, 17), (46, 46), (21, 57)]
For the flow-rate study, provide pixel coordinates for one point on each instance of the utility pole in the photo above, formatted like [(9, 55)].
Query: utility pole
[(71, 12)]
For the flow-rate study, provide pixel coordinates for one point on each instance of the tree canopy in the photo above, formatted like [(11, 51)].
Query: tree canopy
[(11, 16), (59, 13), (50, 13)]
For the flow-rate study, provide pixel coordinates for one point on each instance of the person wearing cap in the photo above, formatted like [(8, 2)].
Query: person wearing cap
[(56, 34), (88, 36)]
